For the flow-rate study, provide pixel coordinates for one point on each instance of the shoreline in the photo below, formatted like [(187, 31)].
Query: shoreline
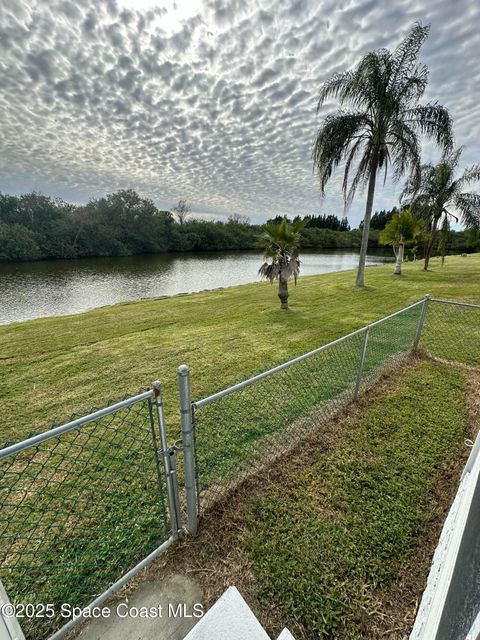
[(175, 295)]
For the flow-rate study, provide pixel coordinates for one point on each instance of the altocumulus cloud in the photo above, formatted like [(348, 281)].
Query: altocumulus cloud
[(219, 109)]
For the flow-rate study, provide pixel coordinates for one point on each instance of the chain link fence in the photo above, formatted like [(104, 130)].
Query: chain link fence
[(389, 341), (452, 332), (248, 425), (81, 505), (239, 429)]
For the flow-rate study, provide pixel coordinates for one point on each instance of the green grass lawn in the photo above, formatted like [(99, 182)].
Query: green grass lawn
[(82, 495), (50, 368), (327, 541)]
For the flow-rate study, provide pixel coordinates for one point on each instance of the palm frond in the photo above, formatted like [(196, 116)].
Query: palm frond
[(468, 205), (405, 56), (471, 174), (405, 152), (361, 177), (413, 87), (370, 80), (335, 87), (451, 159), (333, 140), (432, 120), (427, 173), (269, 271), (354, 151)]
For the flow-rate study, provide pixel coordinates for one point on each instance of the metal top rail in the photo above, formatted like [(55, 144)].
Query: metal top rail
[(457, 304), (305, 356), (73, 424)]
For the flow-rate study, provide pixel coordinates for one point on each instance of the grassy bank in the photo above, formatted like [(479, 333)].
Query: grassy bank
[(52, 367)]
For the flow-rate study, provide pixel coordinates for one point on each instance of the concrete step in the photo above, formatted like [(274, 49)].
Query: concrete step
[(231, 618)]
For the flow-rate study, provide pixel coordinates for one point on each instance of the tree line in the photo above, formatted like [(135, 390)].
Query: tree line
[(316, 222), (37, 227)]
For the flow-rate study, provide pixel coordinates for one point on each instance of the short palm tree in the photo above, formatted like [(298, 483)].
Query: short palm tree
[(281, 248), (441, 198), (383, 125), (402, 229)]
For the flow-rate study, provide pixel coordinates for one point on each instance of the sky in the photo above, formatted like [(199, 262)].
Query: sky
[(213, 101)]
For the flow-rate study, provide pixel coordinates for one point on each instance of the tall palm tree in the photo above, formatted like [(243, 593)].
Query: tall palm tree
[(401, 230), (383, 124), (281, 247), (441, 198)]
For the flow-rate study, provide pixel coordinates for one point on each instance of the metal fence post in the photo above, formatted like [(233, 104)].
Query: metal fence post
[(418, 335), (169, 464), (188, 447), (361, 363)]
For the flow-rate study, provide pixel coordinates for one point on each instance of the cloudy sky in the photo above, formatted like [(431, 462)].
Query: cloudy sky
[(209, 100)]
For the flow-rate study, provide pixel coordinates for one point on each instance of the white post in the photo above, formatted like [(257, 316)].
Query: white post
[(9, 626)]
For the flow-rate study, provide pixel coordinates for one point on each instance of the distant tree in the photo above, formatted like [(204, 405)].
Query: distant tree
[(17, 243), (181, 211), (381, 218), (81, 217), (8, 209), (440, 195), (382, 126), (326, 222), (237, 218), (403, 229), (278, 219), (281, 248), (123, 223)]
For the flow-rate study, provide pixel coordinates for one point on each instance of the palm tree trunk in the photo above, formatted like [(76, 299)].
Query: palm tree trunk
[(398, 263), (429, 245), (283, 292), (360, 282)]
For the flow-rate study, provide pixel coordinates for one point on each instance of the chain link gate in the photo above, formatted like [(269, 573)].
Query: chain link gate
[(84, 507)]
